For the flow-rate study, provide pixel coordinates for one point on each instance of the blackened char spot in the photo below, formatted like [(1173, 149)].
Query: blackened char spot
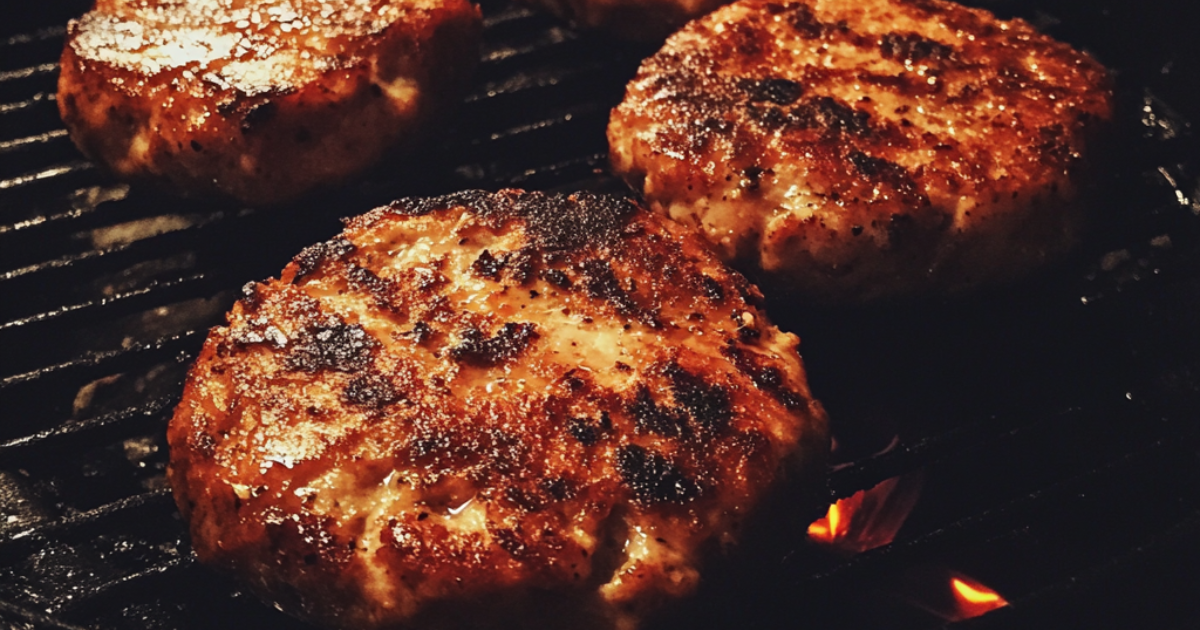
[(712, 289), (585, 432), (524, 499), (832, 116), (879, 168), (648, 416), (913, 47), (805, 23), (925, 6), (752, 177), (334, 346), (567, 222), (508, 540), (420, 333), (553, 222), (714, 126), (775, 90), (556, 277), (559, 488), (768, 116), (707, 403), (600, 282), (520, 266), (370, 390), (509, 341), (363, 279), (765, 377), (430, 444), (312, 256), (487, 265), (478, 201), (653, 478)]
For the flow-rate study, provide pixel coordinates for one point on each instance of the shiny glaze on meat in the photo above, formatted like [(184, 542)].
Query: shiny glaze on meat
[(474, 409), (259, 100), (857, 150)]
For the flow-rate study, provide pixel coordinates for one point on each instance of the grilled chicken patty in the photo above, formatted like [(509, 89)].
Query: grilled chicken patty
[(259, 100), (857, 150), (471, 408)]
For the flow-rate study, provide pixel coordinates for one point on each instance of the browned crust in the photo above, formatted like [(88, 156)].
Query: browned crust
[(268, 143), (461, 374), (931, 146)]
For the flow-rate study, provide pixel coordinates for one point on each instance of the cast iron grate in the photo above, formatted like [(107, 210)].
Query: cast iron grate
[(1051, 421)]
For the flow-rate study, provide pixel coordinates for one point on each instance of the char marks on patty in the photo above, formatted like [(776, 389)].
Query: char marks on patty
[(261, 101), (484, 396), (850, 151)]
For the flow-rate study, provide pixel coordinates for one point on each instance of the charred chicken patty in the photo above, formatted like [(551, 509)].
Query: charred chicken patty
[(259, 100), (479, 408), (850, 151)]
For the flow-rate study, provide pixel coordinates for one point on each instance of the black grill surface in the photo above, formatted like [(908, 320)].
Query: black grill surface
[(1054, 422)]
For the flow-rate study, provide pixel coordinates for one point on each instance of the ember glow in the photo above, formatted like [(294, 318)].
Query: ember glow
[(869, 518), (974, 599), (827, 529), (947, 593)]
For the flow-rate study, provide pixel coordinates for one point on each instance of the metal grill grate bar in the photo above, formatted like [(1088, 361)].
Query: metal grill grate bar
[(25, 73), (46, 174), (32, 536), (115, 257), (39, 35), (34, 101), (110, 361), (195, 285), (147, 414), (120, 586), (42, 138)]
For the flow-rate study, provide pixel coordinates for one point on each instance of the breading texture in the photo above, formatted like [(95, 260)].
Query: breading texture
[(852, 151), (482, 408), (261, 101)]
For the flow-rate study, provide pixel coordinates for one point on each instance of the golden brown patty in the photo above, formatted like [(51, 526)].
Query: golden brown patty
[(473, 408), (259, 100), (648, 20), (858, 150)]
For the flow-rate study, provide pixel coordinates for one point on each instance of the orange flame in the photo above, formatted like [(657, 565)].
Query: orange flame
[(973, 598), (868, 518), (947, 593), (827, 529)]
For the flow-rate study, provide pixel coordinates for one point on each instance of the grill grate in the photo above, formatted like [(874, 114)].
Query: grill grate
[(1052, 421)]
